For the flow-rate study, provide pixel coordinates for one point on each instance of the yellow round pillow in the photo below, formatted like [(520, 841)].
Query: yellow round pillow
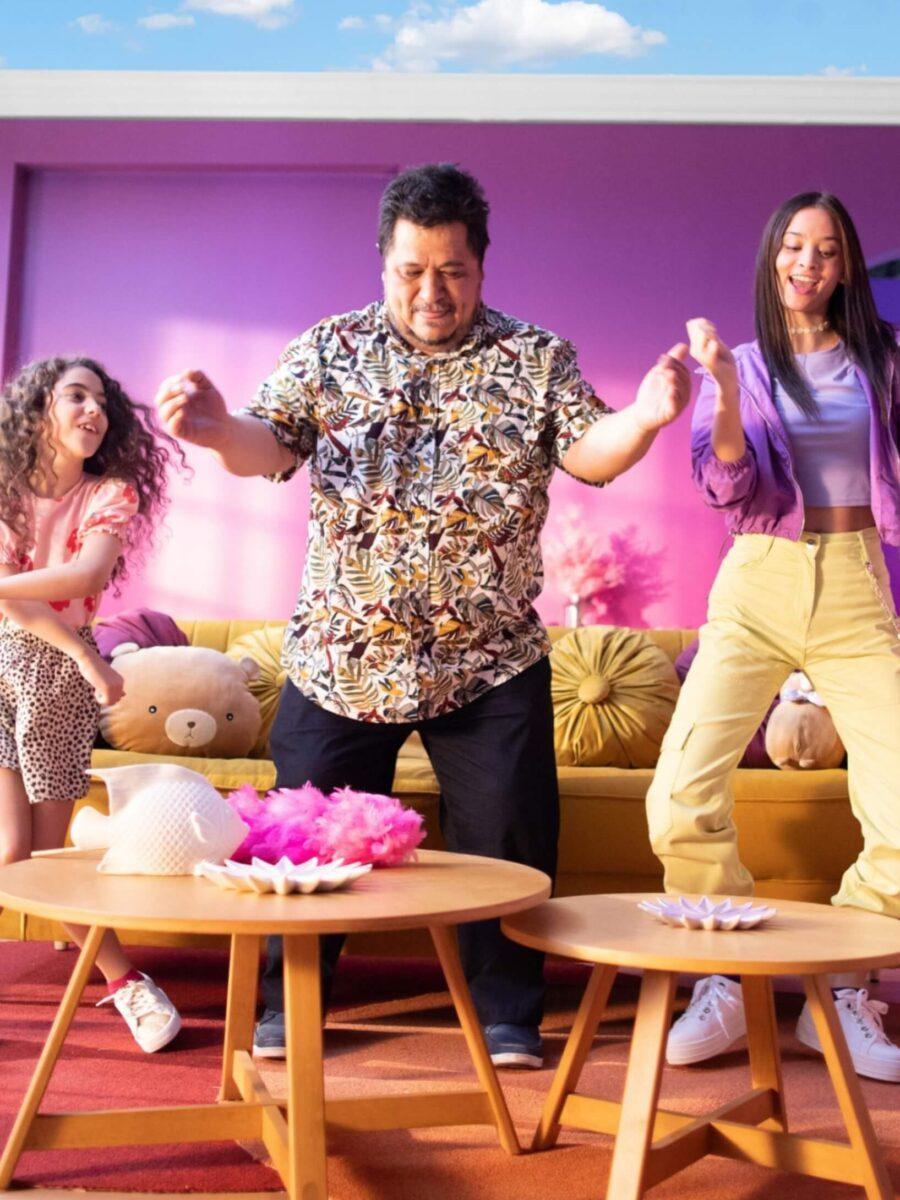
[(614, 693), (264, 647)]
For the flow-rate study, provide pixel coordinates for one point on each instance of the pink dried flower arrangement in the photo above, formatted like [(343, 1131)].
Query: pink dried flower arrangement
[(579, 571), (303, 823), (615, 586)]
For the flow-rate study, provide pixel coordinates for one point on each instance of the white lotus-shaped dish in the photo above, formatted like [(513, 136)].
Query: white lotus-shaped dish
[(282, 877), (703, 914)]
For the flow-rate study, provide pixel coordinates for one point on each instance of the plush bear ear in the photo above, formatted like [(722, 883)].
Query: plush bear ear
[(249, 668), (124, 648)]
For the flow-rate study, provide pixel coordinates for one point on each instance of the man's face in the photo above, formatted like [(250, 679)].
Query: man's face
[(432, 284)]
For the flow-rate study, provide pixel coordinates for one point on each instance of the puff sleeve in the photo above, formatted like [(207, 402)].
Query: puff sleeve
[(111, 507), (10, 547), (722, 484)]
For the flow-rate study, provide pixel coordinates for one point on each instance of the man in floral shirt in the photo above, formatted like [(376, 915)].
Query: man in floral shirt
[(431, 425)]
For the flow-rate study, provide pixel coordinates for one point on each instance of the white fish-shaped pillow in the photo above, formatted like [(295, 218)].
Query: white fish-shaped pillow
[(163, 820)]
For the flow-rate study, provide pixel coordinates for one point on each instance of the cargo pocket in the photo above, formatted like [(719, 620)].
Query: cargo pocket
[(660, 809)]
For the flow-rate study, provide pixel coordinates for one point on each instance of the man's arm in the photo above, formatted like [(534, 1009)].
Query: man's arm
[(192, 409), (617, 441)]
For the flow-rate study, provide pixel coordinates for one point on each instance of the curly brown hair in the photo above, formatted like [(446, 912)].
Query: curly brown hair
[(133, 449)]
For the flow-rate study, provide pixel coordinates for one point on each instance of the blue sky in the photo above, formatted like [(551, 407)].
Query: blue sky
[(702, 37)]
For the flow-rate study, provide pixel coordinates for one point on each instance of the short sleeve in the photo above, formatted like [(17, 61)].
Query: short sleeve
[(574, 406), (288, 400), (109, 510), (10, 547)]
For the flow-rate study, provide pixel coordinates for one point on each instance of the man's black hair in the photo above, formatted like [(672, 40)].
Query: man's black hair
[(436, 194)]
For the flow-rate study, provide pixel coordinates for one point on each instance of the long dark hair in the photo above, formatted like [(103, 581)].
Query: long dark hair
[(133, 448), (870, 341)]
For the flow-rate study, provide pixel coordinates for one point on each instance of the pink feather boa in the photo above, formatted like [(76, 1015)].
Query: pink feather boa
[(303, 823)]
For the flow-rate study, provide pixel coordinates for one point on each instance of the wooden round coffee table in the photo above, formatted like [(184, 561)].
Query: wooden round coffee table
[(810, 940), (439, 891)]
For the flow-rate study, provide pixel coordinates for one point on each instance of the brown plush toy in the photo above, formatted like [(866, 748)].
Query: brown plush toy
[(800, 735), (182, 700)]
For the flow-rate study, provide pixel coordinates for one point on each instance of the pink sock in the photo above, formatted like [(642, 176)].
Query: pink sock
[(115, 984)]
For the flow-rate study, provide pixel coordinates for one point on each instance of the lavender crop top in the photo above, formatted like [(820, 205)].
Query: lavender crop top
[(831, 452)]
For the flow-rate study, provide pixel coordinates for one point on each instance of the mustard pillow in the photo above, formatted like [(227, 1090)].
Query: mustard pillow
[(264, 647), (614, 694)]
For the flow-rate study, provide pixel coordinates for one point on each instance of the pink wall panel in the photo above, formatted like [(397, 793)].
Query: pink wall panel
[(164, 245)]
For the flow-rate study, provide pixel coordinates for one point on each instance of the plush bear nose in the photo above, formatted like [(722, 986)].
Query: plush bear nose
[(190, 727)]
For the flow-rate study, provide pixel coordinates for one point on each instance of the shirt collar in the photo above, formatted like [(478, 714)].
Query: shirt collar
[(473, 341)]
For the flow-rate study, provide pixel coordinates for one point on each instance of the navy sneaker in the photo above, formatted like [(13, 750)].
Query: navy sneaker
[(514, 1045), (268, 1036)]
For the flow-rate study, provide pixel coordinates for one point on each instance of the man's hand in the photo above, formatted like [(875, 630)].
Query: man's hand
[(664, 391), (193, 410), (711, 352)]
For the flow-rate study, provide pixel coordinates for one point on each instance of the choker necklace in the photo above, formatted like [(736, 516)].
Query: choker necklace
[(809, 328)]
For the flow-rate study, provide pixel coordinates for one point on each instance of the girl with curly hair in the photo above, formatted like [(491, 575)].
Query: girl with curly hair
[(82, 482)]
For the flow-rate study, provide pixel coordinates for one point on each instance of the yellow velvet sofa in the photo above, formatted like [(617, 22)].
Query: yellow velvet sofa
[(797, 834)]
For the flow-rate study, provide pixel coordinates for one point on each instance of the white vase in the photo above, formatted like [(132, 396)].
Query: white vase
[(572, 613)]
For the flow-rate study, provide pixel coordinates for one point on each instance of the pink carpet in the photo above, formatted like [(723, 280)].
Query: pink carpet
[(391, 1027)]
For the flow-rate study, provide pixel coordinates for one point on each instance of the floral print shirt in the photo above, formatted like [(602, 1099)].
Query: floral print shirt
[(58, 526), (429, 477)]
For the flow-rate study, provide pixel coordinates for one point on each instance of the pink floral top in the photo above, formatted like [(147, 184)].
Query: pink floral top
[(59, 526)]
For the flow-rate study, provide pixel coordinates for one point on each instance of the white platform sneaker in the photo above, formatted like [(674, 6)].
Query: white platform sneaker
[(872, 1051), (712, 1022)]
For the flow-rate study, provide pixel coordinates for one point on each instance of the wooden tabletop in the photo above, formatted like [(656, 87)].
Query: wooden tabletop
[(438, 889), (802, 939)]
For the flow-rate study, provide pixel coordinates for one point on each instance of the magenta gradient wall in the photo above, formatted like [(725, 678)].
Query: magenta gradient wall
[(155, 246)]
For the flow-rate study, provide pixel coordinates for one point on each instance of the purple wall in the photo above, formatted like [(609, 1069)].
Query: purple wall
[(155, 246)]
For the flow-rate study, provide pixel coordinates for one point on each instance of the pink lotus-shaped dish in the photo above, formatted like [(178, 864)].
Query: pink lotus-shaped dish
[(282, 877), (704, 914)]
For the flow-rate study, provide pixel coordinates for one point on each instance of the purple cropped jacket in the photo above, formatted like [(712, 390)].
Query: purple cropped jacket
[(758, 493)]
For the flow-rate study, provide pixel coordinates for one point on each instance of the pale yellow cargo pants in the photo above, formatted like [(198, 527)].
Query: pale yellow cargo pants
[(822, 605)]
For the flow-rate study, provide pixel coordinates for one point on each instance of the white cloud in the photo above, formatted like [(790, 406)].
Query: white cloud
[(93, 23), (165, 21), (501, 33), (267, 14), (383, 20), (844, 72), (351, 23)]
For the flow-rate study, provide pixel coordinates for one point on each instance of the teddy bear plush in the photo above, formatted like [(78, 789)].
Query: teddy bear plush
[(800, 735), (182, 700)]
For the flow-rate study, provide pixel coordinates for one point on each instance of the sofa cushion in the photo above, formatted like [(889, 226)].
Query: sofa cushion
[(226, 774), (264, 647), (614, 693)]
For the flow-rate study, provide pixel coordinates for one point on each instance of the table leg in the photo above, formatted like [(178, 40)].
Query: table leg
[(762, 1042), (578, 1045), (639, 1100), (44, 1069), (445, 944), (873, 1171), (306, 1087), (240, 1008)]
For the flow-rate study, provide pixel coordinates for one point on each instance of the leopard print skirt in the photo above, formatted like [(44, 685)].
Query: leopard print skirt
[(48, 716)]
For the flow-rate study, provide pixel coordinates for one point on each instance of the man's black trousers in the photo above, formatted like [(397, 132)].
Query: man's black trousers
[(495, 766)]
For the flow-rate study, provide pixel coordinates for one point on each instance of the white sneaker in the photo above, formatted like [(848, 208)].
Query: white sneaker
[(872, 1051), (149, 1013), (711, 1023)]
